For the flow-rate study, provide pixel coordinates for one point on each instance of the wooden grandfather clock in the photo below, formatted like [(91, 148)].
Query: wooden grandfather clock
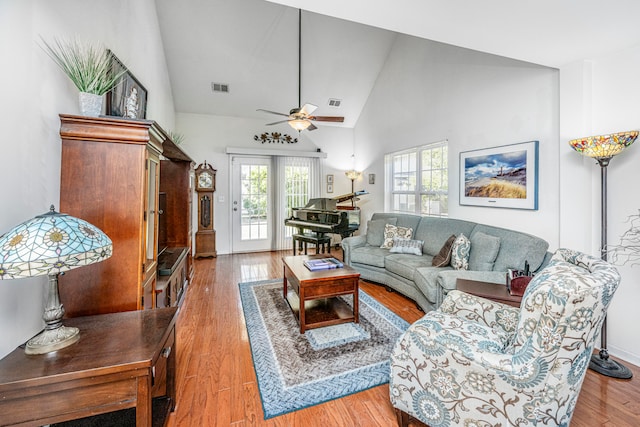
[(205, 187)]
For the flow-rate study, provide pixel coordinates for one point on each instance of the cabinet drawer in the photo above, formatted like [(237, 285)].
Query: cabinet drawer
[(159, 379)]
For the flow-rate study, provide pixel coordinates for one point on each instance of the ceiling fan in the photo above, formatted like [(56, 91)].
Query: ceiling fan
[(300, 118)]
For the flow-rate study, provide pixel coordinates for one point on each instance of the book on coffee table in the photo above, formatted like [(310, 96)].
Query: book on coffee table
[(323, 264)]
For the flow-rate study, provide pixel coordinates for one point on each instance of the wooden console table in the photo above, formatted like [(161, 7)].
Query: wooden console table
[(122, 360), (493, 291)]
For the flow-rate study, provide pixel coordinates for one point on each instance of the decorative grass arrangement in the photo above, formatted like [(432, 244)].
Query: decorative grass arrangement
[(87, 65), (176, 137)]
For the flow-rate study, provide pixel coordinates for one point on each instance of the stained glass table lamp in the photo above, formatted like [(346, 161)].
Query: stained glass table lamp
[(51, 244)]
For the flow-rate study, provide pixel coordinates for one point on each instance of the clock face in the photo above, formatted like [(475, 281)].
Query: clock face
[(205, 180)]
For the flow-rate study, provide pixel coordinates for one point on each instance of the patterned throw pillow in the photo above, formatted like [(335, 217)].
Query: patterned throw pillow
[(460, 253), (407, 246), (444, 256), (391, 232)]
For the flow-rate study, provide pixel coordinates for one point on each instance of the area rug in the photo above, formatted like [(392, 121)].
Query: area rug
[(296, 370)]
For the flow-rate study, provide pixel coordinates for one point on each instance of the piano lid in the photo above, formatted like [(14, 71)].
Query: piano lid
[(349, 196), (321, 204)]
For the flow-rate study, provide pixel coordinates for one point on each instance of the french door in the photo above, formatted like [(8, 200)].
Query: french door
[(252, 196)]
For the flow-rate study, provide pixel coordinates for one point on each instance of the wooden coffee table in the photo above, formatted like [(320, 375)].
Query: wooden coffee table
[(312, 295)]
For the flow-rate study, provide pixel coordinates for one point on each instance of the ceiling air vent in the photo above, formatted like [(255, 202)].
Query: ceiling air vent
[(220, 87), (334, 102)]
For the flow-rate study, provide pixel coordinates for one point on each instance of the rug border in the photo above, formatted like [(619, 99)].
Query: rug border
[(248, 297)]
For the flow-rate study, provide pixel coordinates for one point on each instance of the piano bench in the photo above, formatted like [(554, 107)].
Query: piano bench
[(320, 241)]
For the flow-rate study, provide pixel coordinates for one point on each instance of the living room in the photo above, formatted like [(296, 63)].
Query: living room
[(472, 99)]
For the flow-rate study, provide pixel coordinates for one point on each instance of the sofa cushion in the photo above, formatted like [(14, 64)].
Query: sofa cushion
[(403, 220), (405, 265), (515, 248), (460, 253), (375, 230), (391, 232), (435, 231), (369, 255), (484, 250), (444, 256), (406, 246), (426, 280)]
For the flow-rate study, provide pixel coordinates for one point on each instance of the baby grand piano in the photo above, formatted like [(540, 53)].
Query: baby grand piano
[(323, 216)]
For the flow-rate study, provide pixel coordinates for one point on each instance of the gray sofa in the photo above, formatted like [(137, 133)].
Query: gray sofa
[(414, 276)]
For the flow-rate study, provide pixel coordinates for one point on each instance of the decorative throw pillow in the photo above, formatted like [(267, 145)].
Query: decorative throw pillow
[(375, 230), (460, 253), (484, 253), (444, 256), (391, 232), (407, 246)]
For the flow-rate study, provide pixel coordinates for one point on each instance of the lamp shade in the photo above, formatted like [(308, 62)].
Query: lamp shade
[(603, 147), (299, 124), (51, 243), (352, 174)]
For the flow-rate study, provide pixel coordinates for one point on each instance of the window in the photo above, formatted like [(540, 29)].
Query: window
[(300, 178), (417, 180), (297, 190)]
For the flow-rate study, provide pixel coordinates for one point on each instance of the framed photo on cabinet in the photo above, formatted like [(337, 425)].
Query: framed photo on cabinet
[(129, 98)]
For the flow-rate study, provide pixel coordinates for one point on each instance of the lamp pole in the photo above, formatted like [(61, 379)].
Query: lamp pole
[(601, 362)]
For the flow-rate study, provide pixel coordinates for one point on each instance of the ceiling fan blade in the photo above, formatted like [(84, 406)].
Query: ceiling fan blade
[(307, 109), (312, 127), (336, 119), (273, 112), (277, 123)]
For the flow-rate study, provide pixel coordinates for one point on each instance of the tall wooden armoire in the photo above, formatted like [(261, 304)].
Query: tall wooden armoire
[(110, 177)]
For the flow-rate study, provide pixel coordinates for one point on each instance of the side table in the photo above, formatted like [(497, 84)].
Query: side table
[(493, 291), (121, 361)]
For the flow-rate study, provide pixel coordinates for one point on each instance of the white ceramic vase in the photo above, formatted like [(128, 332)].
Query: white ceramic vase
[(90, 104)]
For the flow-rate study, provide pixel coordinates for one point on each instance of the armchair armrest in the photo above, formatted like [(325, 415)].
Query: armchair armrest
[(481, 310), (350, 243)]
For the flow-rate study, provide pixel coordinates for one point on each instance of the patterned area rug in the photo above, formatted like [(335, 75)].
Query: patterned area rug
[(299, 370)]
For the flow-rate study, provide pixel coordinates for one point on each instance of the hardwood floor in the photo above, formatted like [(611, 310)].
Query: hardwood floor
[(216, 383)]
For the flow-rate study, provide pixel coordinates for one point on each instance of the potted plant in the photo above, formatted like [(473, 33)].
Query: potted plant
[(88, 65)]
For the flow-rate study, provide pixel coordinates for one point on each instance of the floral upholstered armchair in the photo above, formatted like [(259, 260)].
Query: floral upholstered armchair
[(474, 362)]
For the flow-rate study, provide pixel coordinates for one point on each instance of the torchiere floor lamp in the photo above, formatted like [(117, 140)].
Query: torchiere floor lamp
[(603, 148)]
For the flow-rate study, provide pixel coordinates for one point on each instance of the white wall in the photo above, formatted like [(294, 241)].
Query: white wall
[(428, 92), (600, 96), (34, 92), (207, 138)]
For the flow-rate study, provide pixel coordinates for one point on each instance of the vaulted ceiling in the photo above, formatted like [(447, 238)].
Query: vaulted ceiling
[(252, 45)]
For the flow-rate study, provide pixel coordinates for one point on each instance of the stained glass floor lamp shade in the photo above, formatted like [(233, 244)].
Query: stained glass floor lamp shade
[(51, 244), (603, 148)]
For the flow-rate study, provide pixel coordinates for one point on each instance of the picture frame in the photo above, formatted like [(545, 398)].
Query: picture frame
[(372, 178), (329, 188), (128, 98), (330, 179), (503, 177)]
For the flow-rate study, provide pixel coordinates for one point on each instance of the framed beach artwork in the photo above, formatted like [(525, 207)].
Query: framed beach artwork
[(501, 177)]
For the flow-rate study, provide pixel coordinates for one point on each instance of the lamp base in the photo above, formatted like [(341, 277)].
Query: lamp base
[(609, 367), (52, 340)]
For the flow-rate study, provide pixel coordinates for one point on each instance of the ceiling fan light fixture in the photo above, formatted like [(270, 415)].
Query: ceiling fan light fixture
[(299, 124)]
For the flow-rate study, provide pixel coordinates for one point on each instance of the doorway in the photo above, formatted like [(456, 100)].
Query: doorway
[(252, 196)]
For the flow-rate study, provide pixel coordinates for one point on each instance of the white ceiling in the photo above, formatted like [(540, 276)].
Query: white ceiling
[(252, 44)]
